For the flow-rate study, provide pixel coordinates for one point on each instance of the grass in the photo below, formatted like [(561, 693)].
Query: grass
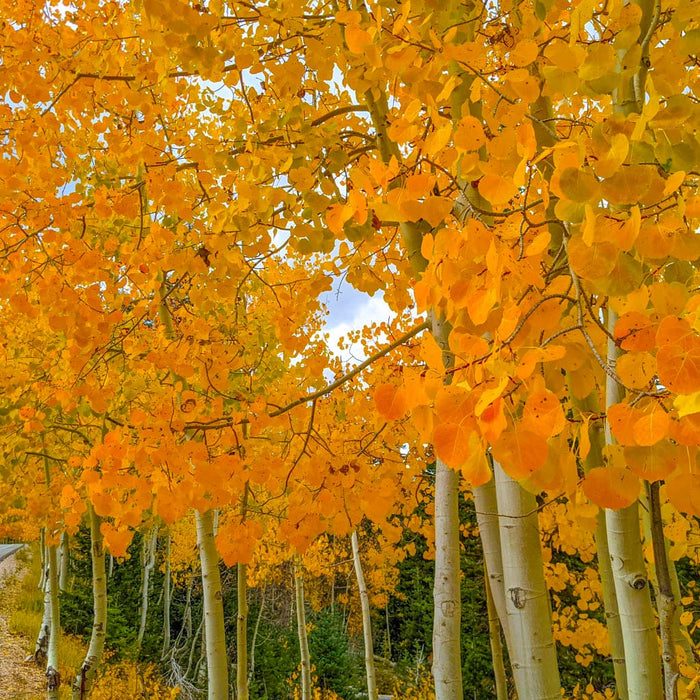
[(115, 681), (25, 621)]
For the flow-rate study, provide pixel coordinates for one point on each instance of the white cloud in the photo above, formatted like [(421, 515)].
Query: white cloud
[(351, 311)]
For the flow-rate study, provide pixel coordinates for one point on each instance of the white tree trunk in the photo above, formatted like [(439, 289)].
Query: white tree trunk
[(86, 674), (166, 600), (217, 664), (254, 640), (447, 664), (42, 640), (532, 654), (366, 620), (65, 562), (629, 572), (148, 559), (242, 634), (499, 670), (486, 507), (303, 639), (53, 677)]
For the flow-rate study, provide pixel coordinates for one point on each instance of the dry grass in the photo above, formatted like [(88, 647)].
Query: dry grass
[(25, 621), (118, 681)]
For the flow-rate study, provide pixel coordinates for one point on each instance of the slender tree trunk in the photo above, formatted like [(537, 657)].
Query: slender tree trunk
[(53, 677), (253, 641), (532, 654), (65, 563), (486, 506), (667, 604), (681, 637), (217, 664), (303, 639), (44, 560), (148, 559), (242, 634), (499, 670), (630, 576), (166, 600), (42, 640), (612, 613), (86, 675), (366, 620), (447, 665)]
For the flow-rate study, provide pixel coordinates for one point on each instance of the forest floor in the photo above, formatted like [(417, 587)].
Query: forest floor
[(18, 680)]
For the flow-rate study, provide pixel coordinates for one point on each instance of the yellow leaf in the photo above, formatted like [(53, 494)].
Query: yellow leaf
[(524, 53), (438, 139), (490, 395), (687, 404), (356, 38)]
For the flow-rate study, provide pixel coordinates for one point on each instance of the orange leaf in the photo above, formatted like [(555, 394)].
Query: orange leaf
[(492, 421), (520, 453), (592, 262), (356, 38), (622, 419), (476, 470), (469, 135), (452, 444), (634, 331), (422, 419), (543, 414), (652, 427), (636, 369), (498, 190), (435, 209), (431, 353), (524, 53), (391, 401), (611, 487), (452, 404), (654, 463), (684, 493), (117, 541), (679, 369)]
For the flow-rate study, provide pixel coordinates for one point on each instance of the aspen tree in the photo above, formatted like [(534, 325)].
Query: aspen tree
[(213, 615), (93, 657), (370, 673), (305, 663)]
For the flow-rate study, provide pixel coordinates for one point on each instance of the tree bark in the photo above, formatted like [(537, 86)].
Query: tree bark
[(53, 677), (629, 573), (242, 634), (486, 506), (499, 669), (253, 641), (217, 664), (447, 665), (366, 619), (303, 639), (593, 459), (42, 640), (667, 604), (532, 654), (148, 559), (86, 674), (65, 562), (166, 600)]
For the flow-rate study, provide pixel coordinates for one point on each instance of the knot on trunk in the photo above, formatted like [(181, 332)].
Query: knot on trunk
[(53, 678), (517, 595), (638, 582)]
